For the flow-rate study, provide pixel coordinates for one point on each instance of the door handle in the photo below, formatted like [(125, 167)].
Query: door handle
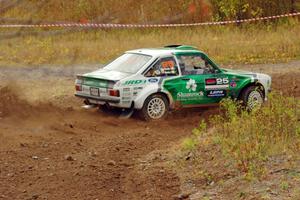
[(185, 79)]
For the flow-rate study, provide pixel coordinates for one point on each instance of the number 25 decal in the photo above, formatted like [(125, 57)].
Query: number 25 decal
[(222, 81)]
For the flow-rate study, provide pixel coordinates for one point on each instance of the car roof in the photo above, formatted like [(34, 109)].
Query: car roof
[(166, 50)]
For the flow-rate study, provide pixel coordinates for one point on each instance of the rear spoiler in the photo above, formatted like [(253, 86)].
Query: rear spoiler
[(110, 83)]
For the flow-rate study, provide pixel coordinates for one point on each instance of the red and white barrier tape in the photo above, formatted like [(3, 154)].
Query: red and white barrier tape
[(93, 25)]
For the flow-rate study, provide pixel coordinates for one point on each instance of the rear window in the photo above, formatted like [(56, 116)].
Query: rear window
[(128, 63)]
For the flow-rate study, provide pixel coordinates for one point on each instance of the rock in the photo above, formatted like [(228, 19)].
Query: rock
[(35, 157), (45, 145), (111, 162), (93, 154), (181, 196), (76, 174), (69, 158), (274, 193), (189, 156), (23, 145), (35, 196)]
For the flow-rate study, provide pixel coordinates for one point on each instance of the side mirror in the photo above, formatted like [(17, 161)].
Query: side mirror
[(216, 71)]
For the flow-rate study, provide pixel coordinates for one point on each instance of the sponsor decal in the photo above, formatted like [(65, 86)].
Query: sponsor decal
[(137, 88), (126, 94), (126, 89), (152, 80), (216, 87), (191, 85), (217, 83), (216, 93), (233, 84), (85, 89), (97, 83), (135, 82), (221, 81), (210, 81), (189, 96), (103, 90)]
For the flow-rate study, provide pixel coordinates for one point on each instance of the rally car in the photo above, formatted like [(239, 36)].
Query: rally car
[(155, 80)]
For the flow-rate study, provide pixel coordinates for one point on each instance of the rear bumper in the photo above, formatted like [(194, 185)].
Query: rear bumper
[(98, 98)]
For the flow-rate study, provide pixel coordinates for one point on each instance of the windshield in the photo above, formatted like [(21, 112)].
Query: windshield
[(128, 63)]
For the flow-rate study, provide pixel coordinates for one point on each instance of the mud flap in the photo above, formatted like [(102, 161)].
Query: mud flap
[(126, 113)]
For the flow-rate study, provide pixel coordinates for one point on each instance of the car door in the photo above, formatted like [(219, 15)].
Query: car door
[(165, 69), (200, 82)]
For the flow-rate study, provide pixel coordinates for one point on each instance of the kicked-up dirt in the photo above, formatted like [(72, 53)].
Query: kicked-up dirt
[(51, 148)]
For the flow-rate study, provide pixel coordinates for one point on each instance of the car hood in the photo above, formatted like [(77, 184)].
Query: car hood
[(258, 76), (239, 72), (107, 74)]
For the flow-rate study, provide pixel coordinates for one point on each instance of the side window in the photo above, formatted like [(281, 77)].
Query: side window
[(163, 67), (194, 64)]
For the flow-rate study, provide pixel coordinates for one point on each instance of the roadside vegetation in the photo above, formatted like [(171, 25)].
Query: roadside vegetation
[(243, 155), (260, 43), (250, 139), (146, 11)]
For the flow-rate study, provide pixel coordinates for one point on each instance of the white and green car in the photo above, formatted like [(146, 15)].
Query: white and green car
[(153, 81)]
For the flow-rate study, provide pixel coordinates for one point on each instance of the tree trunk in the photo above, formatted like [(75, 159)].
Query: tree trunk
[(293, 6)]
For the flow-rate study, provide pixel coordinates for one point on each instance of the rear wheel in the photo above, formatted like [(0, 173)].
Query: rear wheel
[(252, 97), (155, 107)]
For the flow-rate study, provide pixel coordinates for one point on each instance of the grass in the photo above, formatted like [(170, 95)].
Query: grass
[(225, 44), (250, 139)]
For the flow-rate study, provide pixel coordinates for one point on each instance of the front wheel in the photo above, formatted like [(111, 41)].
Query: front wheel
[(155, 107), (252, 97)]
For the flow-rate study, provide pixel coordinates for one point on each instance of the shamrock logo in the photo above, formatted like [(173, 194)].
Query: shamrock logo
[(191, 85)]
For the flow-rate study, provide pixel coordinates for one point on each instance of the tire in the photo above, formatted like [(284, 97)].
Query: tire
[(252, 97), (155, 107)]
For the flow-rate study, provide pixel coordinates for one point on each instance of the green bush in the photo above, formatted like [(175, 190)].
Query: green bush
[(190, 143), (251, 137)]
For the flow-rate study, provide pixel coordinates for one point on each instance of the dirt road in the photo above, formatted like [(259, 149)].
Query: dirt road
[(50, 148)]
